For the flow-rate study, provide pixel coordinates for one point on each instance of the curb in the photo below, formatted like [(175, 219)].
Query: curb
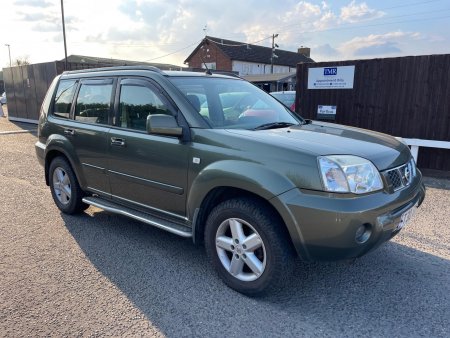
[(17, 132)]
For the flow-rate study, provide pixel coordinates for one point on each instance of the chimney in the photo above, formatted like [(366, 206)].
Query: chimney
[(305, 51)]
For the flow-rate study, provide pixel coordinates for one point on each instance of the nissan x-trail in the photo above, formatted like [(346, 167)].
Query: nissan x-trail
[(216, 159)]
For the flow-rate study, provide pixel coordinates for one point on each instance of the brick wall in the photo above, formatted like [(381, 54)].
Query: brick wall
[(222, 61)]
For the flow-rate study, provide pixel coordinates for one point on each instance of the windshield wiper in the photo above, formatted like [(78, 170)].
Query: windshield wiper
[(273, 125)]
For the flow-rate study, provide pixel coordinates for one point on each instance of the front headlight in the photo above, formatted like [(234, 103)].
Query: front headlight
[(347, 173)]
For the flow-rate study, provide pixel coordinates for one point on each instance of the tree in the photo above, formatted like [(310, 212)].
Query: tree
[(22, 61)]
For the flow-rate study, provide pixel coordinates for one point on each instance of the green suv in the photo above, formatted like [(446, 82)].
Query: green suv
[(216, 159)]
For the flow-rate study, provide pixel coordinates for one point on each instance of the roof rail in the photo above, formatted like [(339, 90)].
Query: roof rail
[(215, 71), (90, 70)]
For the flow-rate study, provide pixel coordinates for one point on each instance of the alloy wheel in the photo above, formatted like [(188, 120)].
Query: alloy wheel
[(241, 249), (61, 185)]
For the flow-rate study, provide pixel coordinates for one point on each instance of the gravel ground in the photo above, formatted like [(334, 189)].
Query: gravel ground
[(98, 274)]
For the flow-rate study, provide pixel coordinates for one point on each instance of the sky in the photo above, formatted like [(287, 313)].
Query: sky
[(168, 31)]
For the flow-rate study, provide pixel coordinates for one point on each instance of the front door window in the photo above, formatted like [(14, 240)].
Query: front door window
[(136, 103)]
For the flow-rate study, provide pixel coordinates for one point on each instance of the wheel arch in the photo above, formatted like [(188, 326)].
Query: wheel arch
[(231, 178), (221, 194), (59, 146), (240, 174)]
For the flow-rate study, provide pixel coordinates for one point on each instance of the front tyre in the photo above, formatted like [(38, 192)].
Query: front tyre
[(66, 191), (248, 246)]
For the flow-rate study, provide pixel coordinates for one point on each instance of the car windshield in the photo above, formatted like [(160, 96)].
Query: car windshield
[(228, 103)]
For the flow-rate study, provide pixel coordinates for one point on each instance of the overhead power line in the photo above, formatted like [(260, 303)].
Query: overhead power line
[(175, 52), (410, 4), (121, 44), (372, 25)]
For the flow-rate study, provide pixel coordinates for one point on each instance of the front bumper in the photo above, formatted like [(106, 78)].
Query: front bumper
[(323, 226)]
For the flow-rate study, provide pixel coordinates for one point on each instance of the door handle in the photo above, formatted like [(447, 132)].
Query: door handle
[(70, 132), (116, 141)]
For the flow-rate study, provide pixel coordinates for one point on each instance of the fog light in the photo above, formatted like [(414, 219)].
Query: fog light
[(363, 233)]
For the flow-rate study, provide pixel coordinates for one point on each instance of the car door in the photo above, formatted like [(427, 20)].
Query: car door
[(85, 125), (145, 170)]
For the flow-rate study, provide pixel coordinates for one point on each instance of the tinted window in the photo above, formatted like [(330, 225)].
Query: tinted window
[(136, 103), (64, 97), (94, 102)]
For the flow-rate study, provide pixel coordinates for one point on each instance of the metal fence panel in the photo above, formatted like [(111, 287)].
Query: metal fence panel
[(26, 87)]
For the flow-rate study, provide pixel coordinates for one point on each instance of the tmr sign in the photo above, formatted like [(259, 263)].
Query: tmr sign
[(331, 77), (330, 71)]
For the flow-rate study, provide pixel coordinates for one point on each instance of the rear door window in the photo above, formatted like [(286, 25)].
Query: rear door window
[(94, 101)]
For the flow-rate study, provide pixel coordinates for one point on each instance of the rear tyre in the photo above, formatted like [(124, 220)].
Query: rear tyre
[(248, 246), (66, 191)]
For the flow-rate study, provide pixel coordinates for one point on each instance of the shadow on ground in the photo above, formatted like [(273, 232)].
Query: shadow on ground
[(394, 291)]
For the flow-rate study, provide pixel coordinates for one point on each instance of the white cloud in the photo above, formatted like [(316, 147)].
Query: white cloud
[(142, 30), (33, 3), (327, 20), (324, 52), (395, 43), (324, 5), (377, 44), (436, 38), (145, 29), (354, 12), (305, 16), (301, 11)]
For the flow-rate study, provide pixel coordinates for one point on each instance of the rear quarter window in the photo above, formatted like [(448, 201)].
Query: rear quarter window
[(48, 97), (63, 98)]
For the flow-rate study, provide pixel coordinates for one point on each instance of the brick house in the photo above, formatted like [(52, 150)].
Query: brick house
[(245, 59)]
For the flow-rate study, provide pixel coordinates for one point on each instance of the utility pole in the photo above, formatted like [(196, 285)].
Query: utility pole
[(64, 35), (9, 52), (274, 45)]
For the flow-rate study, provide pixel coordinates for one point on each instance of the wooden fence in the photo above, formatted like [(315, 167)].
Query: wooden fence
[(405, 96), (27, 85)]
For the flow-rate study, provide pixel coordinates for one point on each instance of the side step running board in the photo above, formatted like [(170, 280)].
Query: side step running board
[(174, 228)]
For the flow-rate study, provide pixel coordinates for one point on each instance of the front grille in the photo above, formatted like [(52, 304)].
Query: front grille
[(395, 179), (402, 176)]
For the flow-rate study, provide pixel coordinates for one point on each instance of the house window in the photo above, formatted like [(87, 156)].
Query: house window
[(246, 69), (210, 65)]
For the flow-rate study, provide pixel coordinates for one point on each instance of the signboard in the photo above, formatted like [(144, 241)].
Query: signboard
[(326, 112), (331, 77)]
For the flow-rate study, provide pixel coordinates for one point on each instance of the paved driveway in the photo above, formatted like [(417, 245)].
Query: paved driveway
[(99, 274)]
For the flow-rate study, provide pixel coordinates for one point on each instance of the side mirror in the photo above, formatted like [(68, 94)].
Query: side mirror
[(161, 124)]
